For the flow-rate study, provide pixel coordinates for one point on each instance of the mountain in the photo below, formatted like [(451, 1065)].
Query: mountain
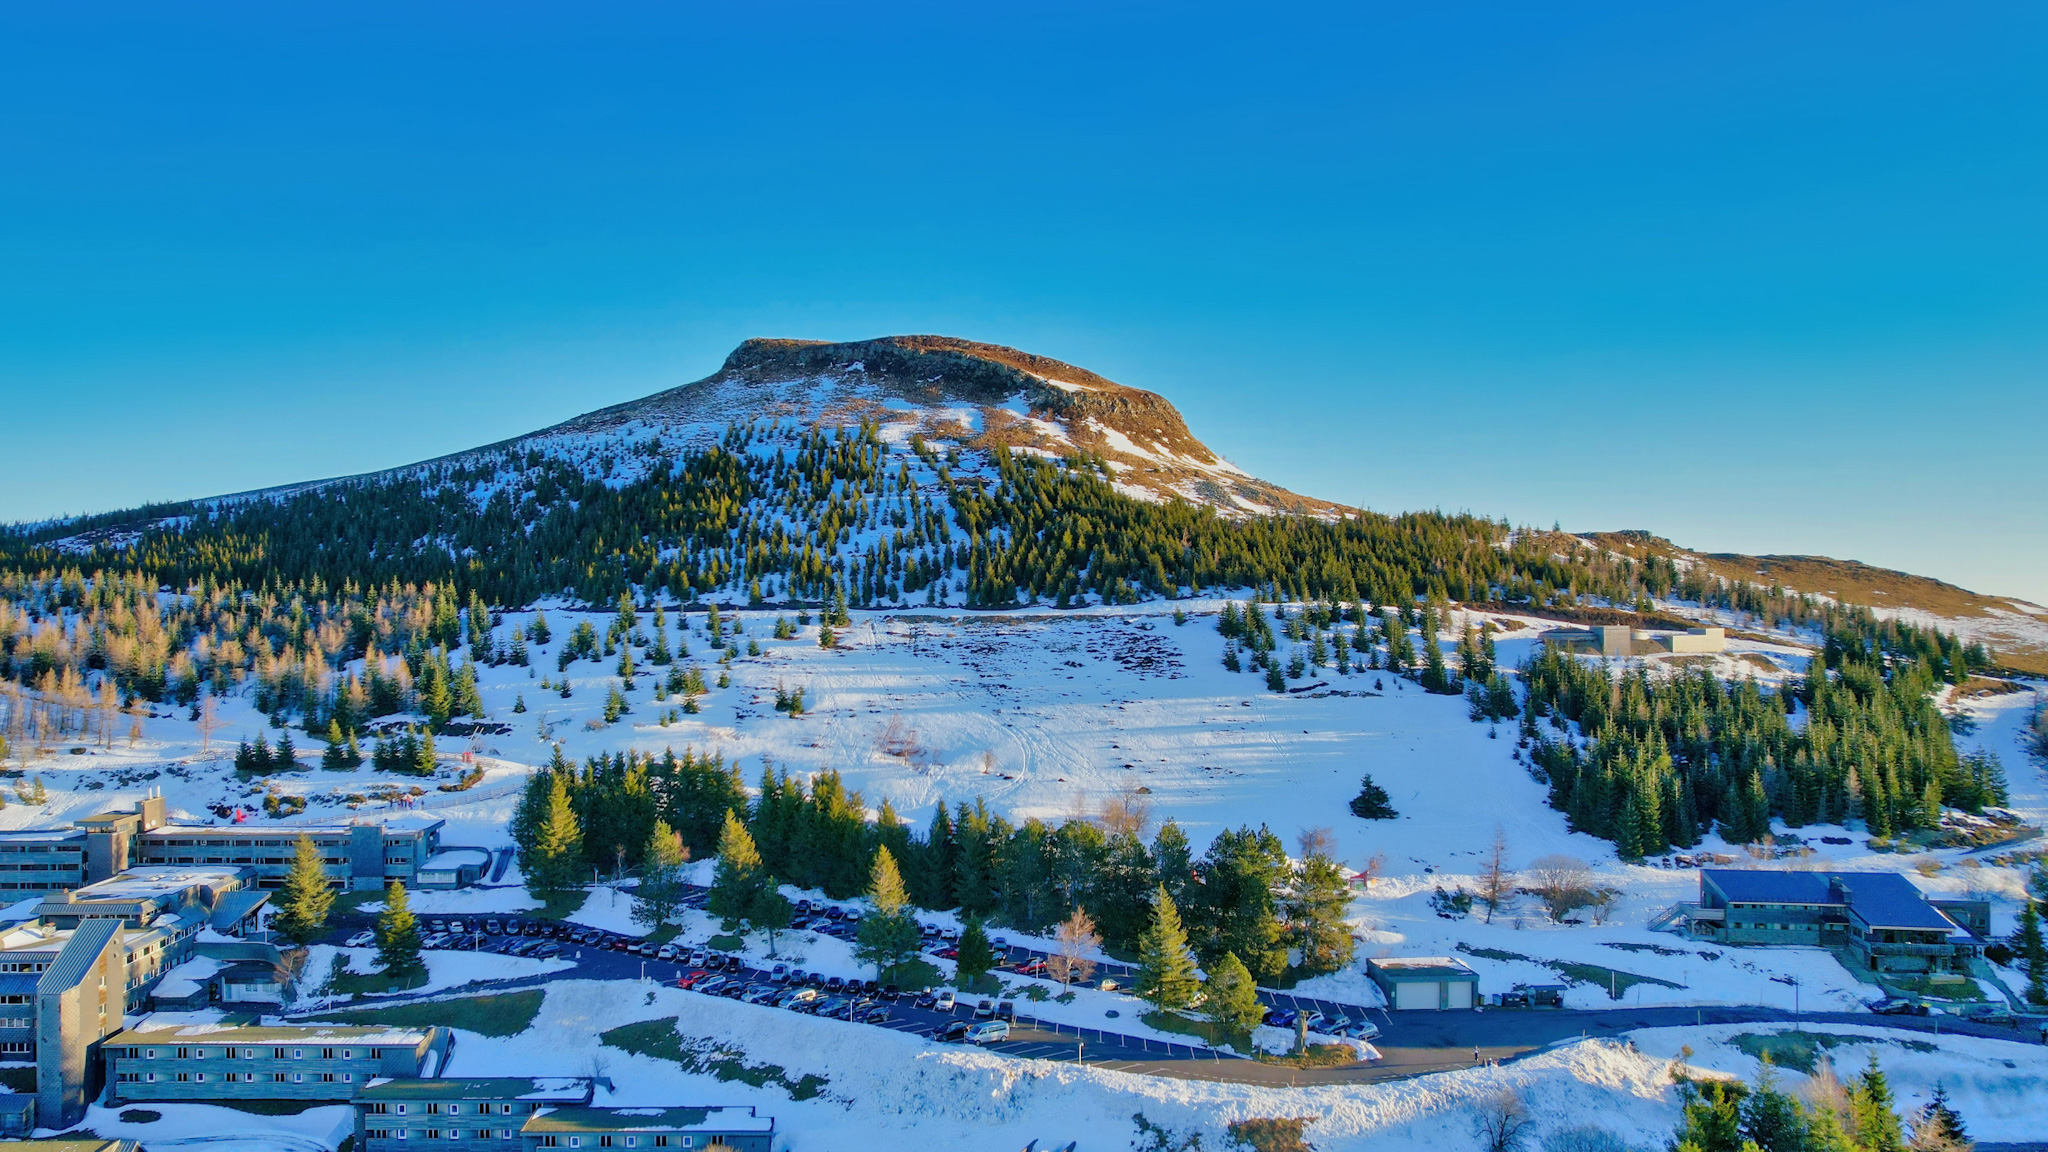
[(940, 469)]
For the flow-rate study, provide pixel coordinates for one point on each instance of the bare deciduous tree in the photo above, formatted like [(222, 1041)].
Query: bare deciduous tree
[(209, 720), (1074, 939), (1496, 880), (1563, 882), (1315, 842), (1502, 1121), (1129, 811)]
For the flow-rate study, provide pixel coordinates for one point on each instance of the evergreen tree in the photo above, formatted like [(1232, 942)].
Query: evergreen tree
[(398, 934), (888, 934), (1232, 997), (661, 889), (739, 880), (306, 898), (556, 867), (1372, 802), (1166, 973), (975, 956), (1937, 1127), (1315, 909), (1877, 1127), (1771, 1119), (2033, 952)]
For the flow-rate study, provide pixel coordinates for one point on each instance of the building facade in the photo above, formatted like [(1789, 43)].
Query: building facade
[(80, 1000), (303, 1062), (575, 1129), (1878, 917), (488, 1113), (1425, 982)]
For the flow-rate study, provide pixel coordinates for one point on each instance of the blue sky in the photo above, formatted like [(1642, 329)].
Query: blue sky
[(1766, 278)]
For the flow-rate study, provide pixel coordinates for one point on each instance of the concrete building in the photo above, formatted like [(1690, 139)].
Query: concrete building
[(1620, 641), (255, 1062), (454, 868), (141, 896), (1425, 982), (41, 861), (642, 1128), (394, 1115), (79, 1001), (1879, 917)]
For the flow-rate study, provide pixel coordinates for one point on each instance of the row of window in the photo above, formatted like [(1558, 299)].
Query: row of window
[(240, 1077), (436, 1108), (248, 1053), (602, 1141), (50, 866), (72, 849)]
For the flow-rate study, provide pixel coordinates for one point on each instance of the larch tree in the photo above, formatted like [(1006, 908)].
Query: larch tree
[(1496, 879), (889, 935)]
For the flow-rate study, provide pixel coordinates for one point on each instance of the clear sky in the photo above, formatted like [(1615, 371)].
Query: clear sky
[(1758, 277)]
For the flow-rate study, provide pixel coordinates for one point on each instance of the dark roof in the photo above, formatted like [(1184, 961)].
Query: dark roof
[(1757, 886), (88, 940), (712, 1119), (1889, 900), (1880, 899)]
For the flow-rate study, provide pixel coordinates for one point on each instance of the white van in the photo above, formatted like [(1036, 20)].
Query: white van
[(988, 1032)]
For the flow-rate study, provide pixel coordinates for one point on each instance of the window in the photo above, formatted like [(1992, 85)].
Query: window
[(401, 1109), (298, 1077), (277, 1053), (149, 1078), (298, 1053), (277, 1077), (455, 1109)]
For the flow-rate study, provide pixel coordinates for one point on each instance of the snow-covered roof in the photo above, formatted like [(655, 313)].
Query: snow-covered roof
[(545, 1089), (728, 1119), (153, 1030)]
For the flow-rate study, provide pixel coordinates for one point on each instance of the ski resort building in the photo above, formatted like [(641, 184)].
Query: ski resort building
[(1879, 917), (641, 1128), (394, 1115), (1425, 982), (357, 856), (256, 1062), (1620, 641)]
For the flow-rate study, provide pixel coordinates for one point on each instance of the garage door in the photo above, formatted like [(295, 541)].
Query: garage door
[(1416, 994), (1460, 994)]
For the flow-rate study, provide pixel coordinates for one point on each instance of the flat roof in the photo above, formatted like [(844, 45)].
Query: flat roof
[(708, 1119), (404, 822), (1422, 967), (547, 1089), (149, 881), (149, 1032), (41, 835)]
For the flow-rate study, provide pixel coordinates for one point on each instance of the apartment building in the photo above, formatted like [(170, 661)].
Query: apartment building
[(179, 1062), (79, 1001), (41, 861), (356, 856), (393, 1115), (577, 1128), (1879, 917)]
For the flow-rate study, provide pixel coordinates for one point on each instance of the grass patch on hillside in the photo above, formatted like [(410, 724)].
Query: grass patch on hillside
[(726, 942), (372, 983), (1492, 953), (1614, 980), (1923, 986), (504, 1015), (659, 1040), (1207, 1031), (1802, 1050), (985, 984)]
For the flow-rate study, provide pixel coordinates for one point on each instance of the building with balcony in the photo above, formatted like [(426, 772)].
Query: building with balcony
[(1879, 917)]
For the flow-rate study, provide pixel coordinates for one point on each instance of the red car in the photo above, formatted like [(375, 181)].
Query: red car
[(1031, 967), (690, 978)]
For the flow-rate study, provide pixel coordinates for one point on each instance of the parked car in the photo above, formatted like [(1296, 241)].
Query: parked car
[(455, 928), (890, 992), (757, 994), (437, 925), (514, 928), (1363, 1030), (953, 1031), (791, 997), (1993, 1014), (691, 979), (360, 940), (944, 1003), (1280, 1017), (874, 1014), (696, 958), (988, 1032), (1006, 1009), (548, 951), (779, 973), (834, 983), (733, 989), (665, 952), (1898, 1006), (494, 928), (986, 1010), (924, 999), (1031, 967)]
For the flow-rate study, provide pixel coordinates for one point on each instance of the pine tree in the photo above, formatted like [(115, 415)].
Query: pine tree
[(1166, 972), (975, 957), (398, 934), (1231, 997), (1938, 1126), (661, 884), (556, 867), (538, 630), (1870, 1109), (2033, 951), (306, 898), (1315, 911), (888, 934), (1372, 802)]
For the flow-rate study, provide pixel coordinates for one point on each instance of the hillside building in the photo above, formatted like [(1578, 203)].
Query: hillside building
[(1620, 641), (642, 1128), (1879, 917), (393, 1115)]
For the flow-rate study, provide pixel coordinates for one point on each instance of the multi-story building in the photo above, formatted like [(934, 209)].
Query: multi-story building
[(1879, 917), (363, 855), (79, 1001), (41, 861), (176, 1061), (487, 1113), (644, 1128)]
